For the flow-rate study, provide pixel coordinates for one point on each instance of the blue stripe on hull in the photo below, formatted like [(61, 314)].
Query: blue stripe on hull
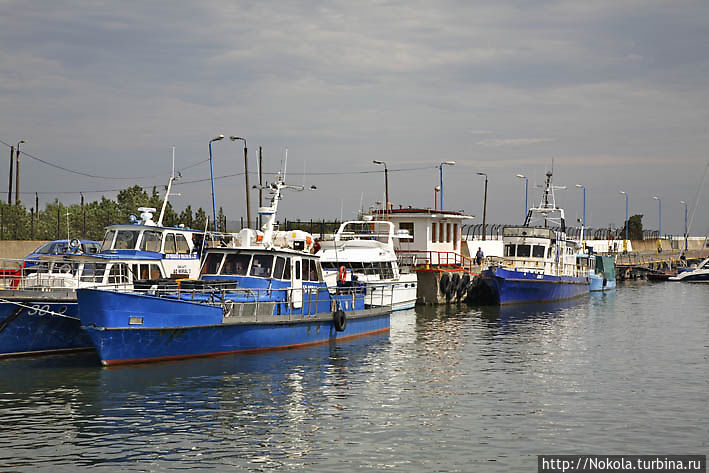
[(516, 287), (32, 332), (116, 346)]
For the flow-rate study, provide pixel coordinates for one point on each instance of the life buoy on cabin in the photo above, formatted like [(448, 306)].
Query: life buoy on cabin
[(339, 320), (342, 274)]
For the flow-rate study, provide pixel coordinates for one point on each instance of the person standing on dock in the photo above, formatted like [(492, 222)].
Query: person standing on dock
[(479, 256)]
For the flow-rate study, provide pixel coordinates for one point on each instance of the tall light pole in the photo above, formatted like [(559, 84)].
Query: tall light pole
[(17, 171), (440, 167), (583, 227), (627, 223), (246, 174), (386, 185), (526, 193), (484, 202), (436, 190), (685, 224), (659, 213), (12, 168), (211, 173)]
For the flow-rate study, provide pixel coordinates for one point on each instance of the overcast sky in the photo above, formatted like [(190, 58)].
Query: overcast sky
[(615, 92)]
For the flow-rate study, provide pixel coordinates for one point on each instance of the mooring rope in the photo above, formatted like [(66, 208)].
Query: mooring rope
[(39, 309)]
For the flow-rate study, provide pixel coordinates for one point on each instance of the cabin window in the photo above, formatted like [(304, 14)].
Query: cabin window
[(448, 232), (64, 268), (170, 246), (409, 227), (151, 241), (310, 272), (387, 272), (510, 250), (93, 272), (236, 264), (441, 229), (118, 274), (286, 270), (182, 247), (297, 270), (212, 263), (523, 250), (538, 251), (455, 236), (126, 239), (279, 267), (108, 240), (434, 234), (262, 265), (146, 271)]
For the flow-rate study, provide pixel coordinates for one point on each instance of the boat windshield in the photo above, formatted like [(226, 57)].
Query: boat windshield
[(126, 239), (108, 240), (236, 264), (261, 266)]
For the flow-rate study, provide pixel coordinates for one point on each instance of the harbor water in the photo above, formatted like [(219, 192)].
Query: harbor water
[(455, 388)]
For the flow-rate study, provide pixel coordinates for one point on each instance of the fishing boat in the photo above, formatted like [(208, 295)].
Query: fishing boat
[(39, 313), (697, 274), (539, 264), (265, 291), (364, 250)]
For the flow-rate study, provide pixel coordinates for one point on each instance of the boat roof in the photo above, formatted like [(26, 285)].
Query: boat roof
[(140, 226), (411, 212)]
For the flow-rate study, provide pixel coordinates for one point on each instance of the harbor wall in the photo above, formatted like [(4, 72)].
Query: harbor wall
[(18, 249)]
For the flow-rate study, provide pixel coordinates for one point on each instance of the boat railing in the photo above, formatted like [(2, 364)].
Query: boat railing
[(428, 259), (306, 300)]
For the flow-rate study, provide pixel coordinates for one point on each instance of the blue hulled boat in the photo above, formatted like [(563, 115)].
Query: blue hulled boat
[(539, 263), (41, 315), (263, 291)]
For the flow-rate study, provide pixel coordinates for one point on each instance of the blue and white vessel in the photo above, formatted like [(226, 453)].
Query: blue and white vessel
[(539, 263), (263, 291), (40, 315), (700, 273)]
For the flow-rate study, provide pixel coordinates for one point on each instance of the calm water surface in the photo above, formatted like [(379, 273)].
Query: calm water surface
[(449, 389)]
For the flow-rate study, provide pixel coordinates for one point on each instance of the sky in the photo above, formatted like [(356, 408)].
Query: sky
[(614, 93)]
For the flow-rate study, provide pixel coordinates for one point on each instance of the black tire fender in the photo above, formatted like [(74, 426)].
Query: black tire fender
[(339, 320)]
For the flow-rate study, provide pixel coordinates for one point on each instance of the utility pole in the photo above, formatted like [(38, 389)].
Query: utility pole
[(17, 172), (9, 186)]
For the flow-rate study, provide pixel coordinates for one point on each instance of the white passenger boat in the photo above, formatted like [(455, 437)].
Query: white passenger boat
[(698, 274), (365, 249)]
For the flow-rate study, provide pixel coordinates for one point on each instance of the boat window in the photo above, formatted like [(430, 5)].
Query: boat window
[(313, 271), (151, 241), (306, 269), (170, 246), (409, 227), (441, 227), (261, 266), (455, 236), (523, 250), (538, 251), (448, 233), (286, 271), (387, 272), (64, 268), (297, 270), (212, 263), (118, 273), (434, 234), (93, 272), (279, 267), (509, 250), (155, 271), (236, 264), (108, 240), (182, 247), (126, 239)]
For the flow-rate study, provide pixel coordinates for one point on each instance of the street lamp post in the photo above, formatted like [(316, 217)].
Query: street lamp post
[(484, 202), (9, 185), (386, 185), (627, 223), (246, 174), (211, 174), (685, 224), (17, 171), (659, 218), (440, 167), (583, 225), (526, 189), (436, 190)]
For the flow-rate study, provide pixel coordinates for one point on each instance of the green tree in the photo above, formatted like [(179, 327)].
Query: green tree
[(635, 227), (200, 219)]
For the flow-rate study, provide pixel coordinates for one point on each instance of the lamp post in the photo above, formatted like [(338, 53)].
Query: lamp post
[(386, 185), (583, 225), (436, 190), (17, 171), (246, 174), (685, 224), (484, 202), (211, 174), (627, 223), (9, 184), (659, 218), (526, 189), (440, 167)]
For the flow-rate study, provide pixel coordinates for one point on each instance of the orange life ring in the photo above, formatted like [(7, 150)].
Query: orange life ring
[(342, 274)]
